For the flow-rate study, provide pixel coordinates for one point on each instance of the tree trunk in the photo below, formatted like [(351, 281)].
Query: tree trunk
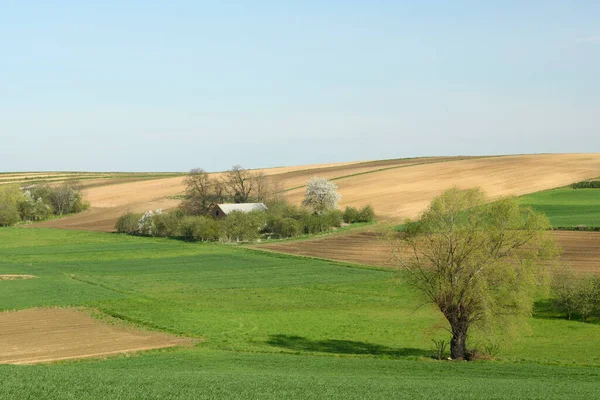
[(458, 343)]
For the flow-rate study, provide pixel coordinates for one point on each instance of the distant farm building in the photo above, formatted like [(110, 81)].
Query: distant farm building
[(222, 210)]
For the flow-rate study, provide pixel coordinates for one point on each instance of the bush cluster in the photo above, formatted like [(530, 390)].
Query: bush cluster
[(39, 202), (236, 227), (586, 185), (353, 215), (282, 220), (577, 295)]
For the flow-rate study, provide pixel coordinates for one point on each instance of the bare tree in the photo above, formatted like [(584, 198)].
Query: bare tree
[(197, 183), (219, 191), (240, 183), (201, 191)]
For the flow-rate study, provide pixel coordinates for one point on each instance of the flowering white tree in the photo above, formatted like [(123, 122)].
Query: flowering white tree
[(321, 194), (146, 224)]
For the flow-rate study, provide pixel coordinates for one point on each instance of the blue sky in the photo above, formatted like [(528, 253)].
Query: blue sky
[(168, 86)]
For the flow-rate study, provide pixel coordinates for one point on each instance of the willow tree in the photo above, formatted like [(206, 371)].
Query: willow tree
[(478, 263)]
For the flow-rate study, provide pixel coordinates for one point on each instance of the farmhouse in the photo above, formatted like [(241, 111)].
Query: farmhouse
[(222, 210)]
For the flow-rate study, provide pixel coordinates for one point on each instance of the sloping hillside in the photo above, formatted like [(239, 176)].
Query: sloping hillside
[(405, 192), (396, 188)]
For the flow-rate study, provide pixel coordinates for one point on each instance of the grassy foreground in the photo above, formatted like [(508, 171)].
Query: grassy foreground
[(199, 374), (566, 207), (274, 327)]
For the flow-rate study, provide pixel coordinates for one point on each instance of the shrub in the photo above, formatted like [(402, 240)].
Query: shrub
[(166, 224), (586, 185), (80, 205), (283, 227), (563, 287), (334, 218), (350, 215), (11, 198), (187, 228), (239, 226), (587, 297), (199, 228), (43, 192), (575, 295), (9, 214), (289, 227), (315, 223), (366, 214), (128, 223)]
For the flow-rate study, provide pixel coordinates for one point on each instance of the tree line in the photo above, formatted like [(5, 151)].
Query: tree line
[(39, 202), (191, 220)]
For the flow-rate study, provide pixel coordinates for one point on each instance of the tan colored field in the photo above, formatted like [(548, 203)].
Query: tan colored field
[(109, 201), (396, 188), (44, 335), (405, 192), (86, 179), (295, 179), (581, 250)]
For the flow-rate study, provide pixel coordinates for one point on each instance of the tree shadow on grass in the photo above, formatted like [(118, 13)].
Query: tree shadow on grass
[(298, 343), (547, 309)]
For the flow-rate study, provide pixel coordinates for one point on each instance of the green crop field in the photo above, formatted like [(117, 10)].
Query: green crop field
[(567, 207), (273, 327)]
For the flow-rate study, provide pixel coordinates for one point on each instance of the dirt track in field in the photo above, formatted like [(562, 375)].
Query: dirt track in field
[(581, 250), (405, 192), (44, 335)]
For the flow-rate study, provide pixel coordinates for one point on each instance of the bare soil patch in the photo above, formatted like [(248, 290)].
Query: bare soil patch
[(14, 277), (44, 335), (581, 250)]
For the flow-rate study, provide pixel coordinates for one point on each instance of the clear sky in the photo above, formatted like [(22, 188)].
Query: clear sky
[(171, 85)]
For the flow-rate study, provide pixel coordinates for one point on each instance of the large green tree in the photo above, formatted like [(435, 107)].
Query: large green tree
[(478, 263)]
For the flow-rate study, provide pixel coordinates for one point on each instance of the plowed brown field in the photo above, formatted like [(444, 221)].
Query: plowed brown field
[(43, 335), (581, 250)]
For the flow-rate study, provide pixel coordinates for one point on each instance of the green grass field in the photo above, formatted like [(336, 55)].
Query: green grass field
[(567, 207), (273, 327)]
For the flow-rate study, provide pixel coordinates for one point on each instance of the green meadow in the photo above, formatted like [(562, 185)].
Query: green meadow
[(273, 326), (566, 207)]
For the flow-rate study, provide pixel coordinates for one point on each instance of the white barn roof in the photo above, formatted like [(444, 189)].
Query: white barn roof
[(243, 207)]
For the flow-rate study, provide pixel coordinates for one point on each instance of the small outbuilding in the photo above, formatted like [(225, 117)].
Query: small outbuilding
[(222, 210)]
